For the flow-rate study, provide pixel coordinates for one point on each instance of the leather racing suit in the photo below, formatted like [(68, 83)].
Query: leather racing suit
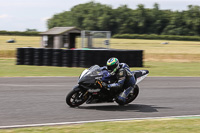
[(124, 80)]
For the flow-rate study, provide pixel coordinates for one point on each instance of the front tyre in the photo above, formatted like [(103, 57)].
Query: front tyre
[(76, 97)]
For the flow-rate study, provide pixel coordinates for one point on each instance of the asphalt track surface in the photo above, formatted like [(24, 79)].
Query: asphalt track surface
[(37, 100)]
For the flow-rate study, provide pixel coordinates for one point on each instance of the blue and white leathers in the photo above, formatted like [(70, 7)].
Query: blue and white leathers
[(125, 81)]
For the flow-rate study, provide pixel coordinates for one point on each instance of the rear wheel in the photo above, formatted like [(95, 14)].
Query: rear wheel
[(76, 97), (131, 97)]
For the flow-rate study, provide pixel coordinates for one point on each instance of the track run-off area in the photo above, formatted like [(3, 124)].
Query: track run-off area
[(37, 101)]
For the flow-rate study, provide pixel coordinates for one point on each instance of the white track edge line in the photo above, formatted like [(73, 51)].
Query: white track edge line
[(92, 121)]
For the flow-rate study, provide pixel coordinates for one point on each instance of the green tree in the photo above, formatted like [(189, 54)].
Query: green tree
[(159, 19), (124, 20), (92, 16), (177, 25), (192, 17), (61, 20)]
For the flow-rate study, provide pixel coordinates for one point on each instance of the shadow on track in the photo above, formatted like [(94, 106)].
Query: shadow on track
[(129, 108)]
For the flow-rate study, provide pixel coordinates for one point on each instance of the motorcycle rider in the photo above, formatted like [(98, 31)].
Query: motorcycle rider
[(124, 78)]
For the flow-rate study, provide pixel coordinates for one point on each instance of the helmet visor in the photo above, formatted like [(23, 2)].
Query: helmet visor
[(112, 68)]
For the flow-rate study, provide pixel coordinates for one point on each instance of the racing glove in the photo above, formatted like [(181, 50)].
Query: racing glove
[(105, 85)]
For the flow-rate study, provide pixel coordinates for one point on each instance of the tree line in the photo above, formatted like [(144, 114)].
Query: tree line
[(20, 33), (124, 20)]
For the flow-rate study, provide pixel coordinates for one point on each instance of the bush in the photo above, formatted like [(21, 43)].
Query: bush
[(157, 37), (24, 33)]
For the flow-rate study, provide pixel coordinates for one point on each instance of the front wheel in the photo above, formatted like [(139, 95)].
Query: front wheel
[(76, 97)]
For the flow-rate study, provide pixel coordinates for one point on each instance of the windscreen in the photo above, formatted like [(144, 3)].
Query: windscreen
[(93, 70)]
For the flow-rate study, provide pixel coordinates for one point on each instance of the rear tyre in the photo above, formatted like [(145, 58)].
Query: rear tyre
[(76, 97), (130, 98)]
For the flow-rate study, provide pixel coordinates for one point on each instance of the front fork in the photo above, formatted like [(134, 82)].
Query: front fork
[(83, 94)]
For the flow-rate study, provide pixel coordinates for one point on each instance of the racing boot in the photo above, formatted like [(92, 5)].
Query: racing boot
[(122, 97)]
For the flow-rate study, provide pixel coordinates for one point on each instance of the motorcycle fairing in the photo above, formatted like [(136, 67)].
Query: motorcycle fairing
[(140, 75), (87, 76)]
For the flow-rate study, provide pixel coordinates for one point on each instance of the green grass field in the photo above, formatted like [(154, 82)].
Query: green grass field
[(137, 126), (21, 41), (8, 50), (9, 69), (181, 51)]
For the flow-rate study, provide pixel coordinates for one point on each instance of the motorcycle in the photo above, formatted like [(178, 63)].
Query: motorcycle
[(90, 88)]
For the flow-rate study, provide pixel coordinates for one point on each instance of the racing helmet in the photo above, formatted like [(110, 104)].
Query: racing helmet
[(112, 65)]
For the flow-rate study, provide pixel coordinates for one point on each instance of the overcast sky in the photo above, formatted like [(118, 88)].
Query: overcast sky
[(18, 15)]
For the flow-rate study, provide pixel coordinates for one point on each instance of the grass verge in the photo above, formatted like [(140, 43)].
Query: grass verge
[(9, 69), (137, 126)]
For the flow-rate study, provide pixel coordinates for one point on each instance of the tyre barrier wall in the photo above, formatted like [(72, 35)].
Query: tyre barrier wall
[(20, 56), (47, 57), (28, 56), (38, 56), (76, 58), (57, 57)]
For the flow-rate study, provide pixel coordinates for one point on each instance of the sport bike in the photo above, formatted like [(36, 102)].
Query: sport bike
[(90, 88)]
